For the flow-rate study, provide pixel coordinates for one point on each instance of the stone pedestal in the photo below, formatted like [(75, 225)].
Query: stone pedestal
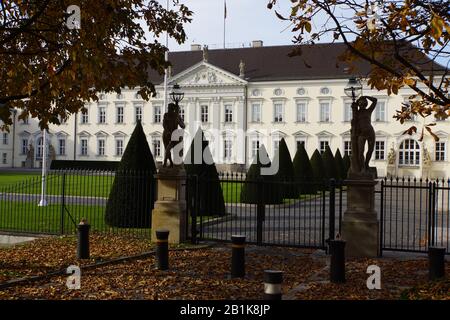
[(360, 225), (170, 207)]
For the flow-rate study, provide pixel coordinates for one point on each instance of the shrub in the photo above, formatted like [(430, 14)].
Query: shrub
[(341, 173), (286, 174), (303, 172), (210, 194), (132, 195), (318, 168), (259, 187), (329, 164)]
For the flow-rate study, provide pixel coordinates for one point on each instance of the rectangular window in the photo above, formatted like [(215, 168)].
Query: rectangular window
[(348, 148), (228, 113), (301, 112), (255, 147), (256, 112), (101, 147), (5, 138), (323, 144), (5, 158), (24, 148), (278, 112), (119, 147), (119, 118), (101, 114), (348, 113), (227, 149), (299, 143), (324, 112), (440, 151), (84, 147), (61, 147), (379, 150), (85, 117), (157, 148), (380, 112), (157, 114), (204, 113), (138, 114)]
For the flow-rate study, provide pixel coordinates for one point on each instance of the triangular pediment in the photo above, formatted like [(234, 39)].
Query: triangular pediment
[(205, 74), (325, 133), (301, 133)]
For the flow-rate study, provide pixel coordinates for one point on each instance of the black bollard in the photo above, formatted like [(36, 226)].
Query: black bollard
[(237, 256), (83, 239), (337, 263), (436, 263), (162, 249), (272, 284)]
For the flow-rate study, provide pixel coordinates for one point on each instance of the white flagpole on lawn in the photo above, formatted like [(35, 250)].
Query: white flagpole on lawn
[(43, 201)]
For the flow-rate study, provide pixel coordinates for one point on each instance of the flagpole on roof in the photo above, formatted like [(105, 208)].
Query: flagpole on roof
[(166, 58), (224, 19)]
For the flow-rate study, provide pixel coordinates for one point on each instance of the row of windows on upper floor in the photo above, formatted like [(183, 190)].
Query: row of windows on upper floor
[(409, 152)]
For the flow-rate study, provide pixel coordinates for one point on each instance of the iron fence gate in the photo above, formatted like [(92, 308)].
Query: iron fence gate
[(414, 214), (267, 211)]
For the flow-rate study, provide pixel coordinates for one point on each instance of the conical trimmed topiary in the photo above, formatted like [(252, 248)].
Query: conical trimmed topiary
[(329, 164), (318, 168), (347, 163), (260, 188), (341, 173), (199, 162), (303, 172), (285, 174), (132, 195)]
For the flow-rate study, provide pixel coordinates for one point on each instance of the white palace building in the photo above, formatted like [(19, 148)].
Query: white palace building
[(242, 98)]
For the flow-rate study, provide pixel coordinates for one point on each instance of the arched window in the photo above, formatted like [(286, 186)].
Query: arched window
[(409, 153)]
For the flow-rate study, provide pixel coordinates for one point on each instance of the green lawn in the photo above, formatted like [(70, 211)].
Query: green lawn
[(28, 217), (75, 185), (11, 178)]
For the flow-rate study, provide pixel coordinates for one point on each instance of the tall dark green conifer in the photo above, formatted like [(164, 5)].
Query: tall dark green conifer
[(132, 195), (303, 171), (199, 162), (285, 176), (318, 168), (347, 163), (329, 164), (341, 173), (255, 182)]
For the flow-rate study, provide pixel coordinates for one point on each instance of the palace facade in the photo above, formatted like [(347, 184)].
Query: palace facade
[(242, 98)]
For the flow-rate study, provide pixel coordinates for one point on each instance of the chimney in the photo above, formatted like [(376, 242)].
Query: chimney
[(257, 43), (196, 47)]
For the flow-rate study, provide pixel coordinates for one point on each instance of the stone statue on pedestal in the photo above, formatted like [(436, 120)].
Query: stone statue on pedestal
[(360, 226), (171, 121), (362, 132)]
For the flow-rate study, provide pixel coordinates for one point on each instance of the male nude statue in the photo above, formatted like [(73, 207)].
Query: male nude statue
[(362, 132), (171, 121)]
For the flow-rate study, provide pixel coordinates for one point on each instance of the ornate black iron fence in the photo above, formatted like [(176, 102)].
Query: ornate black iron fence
[(414, 214), (268, 211)]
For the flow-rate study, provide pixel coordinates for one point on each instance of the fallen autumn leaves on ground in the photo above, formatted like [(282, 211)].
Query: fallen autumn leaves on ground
[(204, 273)]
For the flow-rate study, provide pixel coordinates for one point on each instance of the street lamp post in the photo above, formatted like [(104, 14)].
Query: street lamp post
[(177, 94), (353, 90)]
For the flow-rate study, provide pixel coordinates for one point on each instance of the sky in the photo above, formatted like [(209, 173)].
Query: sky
[(247, 20)]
